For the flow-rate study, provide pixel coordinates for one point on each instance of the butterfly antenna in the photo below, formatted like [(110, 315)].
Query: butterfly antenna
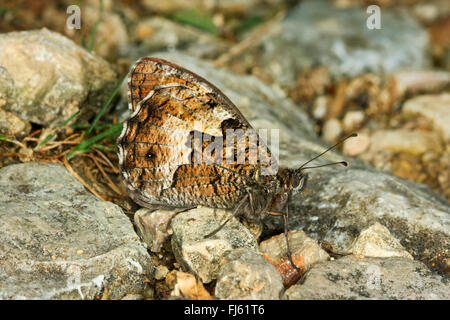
[(328, 149), (344, 163)]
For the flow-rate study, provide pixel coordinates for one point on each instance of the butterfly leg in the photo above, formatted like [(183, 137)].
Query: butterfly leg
[(252, 203), (235, 213), (286, 230)]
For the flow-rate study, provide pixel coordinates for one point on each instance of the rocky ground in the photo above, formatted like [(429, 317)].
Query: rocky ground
[(378, 229)]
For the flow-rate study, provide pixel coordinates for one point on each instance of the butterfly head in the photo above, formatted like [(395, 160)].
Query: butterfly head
[(292, 182), (298, 182)]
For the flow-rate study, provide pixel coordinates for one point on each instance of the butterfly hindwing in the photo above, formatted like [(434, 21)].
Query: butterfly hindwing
[(173, 150)]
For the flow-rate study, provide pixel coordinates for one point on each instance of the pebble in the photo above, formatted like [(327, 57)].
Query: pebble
[(377, 241), (331, 130), (356, 145), (161, 272), (433, 107), (420, 81), (305, 253), (153, 226), (353, 120), (320, 107), (403, 140), (202, 255), (245, 275)]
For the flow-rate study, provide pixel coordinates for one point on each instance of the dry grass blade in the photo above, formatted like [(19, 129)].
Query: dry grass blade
[(76, 176), (337, 106), (13, 154), (111, 184), (114, 168), (249, 41), (6, 139)]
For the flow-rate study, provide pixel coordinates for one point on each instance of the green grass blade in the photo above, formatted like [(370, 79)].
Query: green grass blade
[(103, 148), (94, 30), (76, 114), (6, 139), (3, 138), (46, 139), (84, 126), (84, 146), (196, 18), (105, 105)]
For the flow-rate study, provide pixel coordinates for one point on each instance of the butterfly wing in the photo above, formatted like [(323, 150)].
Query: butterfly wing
[(176, 116)]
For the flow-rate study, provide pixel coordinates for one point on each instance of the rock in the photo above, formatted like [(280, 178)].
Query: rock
[(13, 126), (201, 255), (111, 34), (331, 130), (186, 286), (342, 202), (370, 278), (420, 81), (53, 77), (305, 253), (245, 275), (376, 241), (161, 272), (320, 107), (60, 242), (446, 60), (339, 39), (357, 145), (433, 107), (444, 173), (6, 87), (132, 296), (430, 11), (403, 140), (153, 226), (10, 125), (353, 120), (159, 34), (225, 6)]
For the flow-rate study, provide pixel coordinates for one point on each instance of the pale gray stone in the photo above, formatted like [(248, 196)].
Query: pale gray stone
[(370, 278), (53, 77), (245, 275), (202, 255), (60, 242), (317, 32), (377, 241), (153, 226), (167, 35)]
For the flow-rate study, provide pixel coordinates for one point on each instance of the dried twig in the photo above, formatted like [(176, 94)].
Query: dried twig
[(115, 169), (111, 184), (249, 41), (76, 176)]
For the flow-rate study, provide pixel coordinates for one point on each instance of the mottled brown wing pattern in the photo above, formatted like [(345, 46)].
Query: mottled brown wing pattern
[(169, 106)]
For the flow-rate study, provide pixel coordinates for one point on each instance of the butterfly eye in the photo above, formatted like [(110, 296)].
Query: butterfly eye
[(298, 184)]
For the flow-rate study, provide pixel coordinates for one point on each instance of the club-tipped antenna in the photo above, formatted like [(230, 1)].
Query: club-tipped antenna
[(319, 155), (344, 163)]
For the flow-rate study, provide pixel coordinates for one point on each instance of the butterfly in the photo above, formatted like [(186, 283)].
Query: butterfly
[(174, 149)]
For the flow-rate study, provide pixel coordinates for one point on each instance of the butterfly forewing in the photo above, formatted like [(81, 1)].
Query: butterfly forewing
[(175, 117)]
